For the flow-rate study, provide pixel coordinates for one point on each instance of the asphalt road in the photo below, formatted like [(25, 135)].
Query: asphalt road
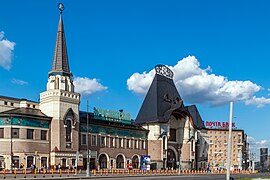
[(141, 177)]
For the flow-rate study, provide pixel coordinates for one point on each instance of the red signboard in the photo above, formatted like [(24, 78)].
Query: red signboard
[(218, 124)]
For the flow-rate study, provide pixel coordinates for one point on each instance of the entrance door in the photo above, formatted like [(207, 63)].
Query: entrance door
[(120, 161), (103, 161), (30, 161), (171, 159)]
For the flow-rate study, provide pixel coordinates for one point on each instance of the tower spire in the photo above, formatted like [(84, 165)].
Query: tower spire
[(60, 61)]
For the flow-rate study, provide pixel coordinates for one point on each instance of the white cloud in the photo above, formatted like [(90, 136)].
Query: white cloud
[(6, 51), (255, 145), (86, 86), (19, 82), (197, 85)]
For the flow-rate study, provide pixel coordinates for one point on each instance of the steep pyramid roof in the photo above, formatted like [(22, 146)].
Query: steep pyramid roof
[(161, 99), (60, 61), (196, 117)]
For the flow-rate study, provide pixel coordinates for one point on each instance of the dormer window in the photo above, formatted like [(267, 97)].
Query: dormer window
[(177, 99), (167, 98)]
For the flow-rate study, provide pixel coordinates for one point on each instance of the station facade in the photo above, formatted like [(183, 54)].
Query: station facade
[(54, 131)]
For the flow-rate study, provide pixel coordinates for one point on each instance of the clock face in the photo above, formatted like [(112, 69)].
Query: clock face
[(61, 7)]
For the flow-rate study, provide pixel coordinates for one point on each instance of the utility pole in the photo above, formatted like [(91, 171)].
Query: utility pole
[(87, 144), (229, 143), (11, 145)]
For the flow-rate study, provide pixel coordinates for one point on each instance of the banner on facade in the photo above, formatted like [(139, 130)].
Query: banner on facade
[(145, 163)]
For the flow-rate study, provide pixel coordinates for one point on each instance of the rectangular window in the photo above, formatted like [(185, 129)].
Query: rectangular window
[(120, 142), (102, 141), (112, 143), (143, 144), (136, 144), (30, 134), (1, 132), (15, 133), (94, 140), (172, 135), (43, 135), (128, 143), (73, 162), (83, 140)]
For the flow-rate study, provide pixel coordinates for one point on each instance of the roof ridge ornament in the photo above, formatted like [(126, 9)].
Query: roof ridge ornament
[(164, 71), (61, 7)]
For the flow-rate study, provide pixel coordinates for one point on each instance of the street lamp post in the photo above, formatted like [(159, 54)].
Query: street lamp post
[(11, 144), (87, 144), (229, 143), (179, 165)]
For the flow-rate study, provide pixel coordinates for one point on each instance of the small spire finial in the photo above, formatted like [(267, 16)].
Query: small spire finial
[(61, 7)]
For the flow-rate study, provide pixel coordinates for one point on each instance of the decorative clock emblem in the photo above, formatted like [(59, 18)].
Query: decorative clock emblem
[(164, 71), (61, 7)]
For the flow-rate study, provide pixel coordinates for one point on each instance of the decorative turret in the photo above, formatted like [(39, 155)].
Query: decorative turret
[(60, 101), (60, 76), (60, 61)]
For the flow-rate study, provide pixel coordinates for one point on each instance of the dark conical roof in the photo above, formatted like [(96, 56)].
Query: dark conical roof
[(160, 101), (60, 61)]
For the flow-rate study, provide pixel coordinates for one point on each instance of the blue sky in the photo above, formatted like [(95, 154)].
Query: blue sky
[(219, 51)]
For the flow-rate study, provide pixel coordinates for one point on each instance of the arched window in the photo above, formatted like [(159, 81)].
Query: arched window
[(69, 123), (120, 161), (29, 161), (16, 161), (135, 162), (103, 161), (68, 133), (2, 162), (44, 162)]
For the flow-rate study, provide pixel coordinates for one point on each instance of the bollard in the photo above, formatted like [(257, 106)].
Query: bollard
[(75, 172), (151, 172), (52, 172), (107, 172), (112, 171), (95, 172), (68, 172), (60, 172), (15, 173), (44, 172), (123, 171), (35, 173), (4, 174), (100, 172), (128, 171), (24, 172)]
